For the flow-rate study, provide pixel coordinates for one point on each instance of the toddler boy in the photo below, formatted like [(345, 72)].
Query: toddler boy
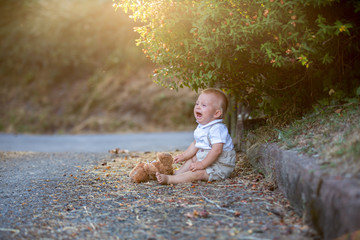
[(211, 155)]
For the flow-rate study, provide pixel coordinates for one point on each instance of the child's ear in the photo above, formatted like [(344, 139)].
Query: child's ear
[(218, 113)]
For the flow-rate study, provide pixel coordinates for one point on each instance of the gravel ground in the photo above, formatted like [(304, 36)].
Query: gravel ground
[(89, 196)]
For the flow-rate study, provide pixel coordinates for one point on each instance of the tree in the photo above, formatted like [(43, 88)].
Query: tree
[(275, 54)]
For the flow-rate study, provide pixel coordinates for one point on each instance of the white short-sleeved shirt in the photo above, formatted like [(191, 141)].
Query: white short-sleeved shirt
[(218, 134)]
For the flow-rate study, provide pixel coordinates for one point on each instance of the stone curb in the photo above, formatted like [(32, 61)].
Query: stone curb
[(331, 205)]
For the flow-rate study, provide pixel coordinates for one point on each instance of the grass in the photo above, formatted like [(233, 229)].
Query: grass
[(331, 134), (107, 107)]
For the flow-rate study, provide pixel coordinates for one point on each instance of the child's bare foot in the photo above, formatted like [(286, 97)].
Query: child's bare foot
[(162, 178)]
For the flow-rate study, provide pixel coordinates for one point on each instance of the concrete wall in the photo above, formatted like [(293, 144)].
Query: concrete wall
[(329, 204)]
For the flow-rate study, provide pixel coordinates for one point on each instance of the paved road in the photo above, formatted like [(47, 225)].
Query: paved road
[(49, 191), (93, 143), (58, 196)]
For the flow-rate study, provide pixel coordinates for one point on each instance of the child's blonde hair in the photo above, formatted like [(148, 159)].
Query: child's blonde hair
[(220, 95)]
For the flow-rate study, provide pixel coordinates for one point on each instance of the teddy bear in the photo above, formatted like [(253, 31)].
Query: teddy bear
[(144, 172)]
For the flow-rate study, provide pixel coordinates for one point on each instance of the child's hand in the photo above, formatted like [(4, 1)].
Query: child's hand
[(179, 158), (196, 166)]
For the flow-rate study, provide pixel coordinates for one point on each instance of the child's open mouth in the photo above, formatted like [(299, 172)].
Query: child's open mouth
[(198, 115)]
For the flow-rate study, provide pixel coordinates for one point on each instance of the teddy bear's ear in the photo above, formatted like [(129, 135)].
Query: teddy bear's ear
[(165, 158), (133, 171)]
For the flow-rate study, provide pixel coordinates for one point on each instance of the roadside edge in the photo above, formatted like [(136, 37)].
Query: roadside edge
[(331, 205)]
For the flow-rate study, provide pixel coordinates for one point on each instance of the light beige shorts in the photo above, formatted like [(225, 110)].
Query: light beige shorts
[(222, 167)]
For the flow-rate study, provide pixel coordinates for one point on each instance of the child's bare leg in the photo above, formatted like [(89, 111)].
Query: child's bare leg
[(185, 167), (185, 177)]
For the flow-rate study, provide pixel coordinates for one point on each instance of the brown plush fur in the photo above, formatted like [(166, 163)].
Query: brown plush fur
[(143, 172)]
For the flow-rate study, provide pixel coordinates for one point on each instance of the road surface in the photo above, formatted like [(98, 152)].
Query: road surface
[(96, 143), (86, 196)]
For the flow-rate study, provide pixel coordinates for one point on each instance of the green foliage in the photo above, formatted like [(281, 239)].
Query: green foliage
[(275, 54), (358, 91)]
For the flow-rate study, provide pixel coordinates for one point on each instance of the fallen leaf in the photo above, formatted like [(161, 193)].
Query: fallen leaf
[(338, 111), (204, 214), (189, 215), (189, 223), (237, 214)]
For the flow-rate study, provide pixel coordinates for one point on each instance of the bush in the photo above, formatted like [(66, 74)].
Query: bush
[(276, 54)]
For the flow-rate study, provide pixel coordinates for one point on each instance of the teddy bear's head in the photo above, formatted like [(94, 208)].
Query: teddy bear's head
[(165, 158), (143, 172)]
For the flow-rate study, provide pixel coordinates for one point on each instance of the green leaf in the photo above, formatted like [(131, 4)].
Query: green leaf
[(218, 62), (327, 59), (358, 91)]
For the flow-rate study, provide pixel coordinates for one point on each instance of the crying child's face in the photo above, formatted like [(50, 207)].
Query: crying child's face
[(207, 109)]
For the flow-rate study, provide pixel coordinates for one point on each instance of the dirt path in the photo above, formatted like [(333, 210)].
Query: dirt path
[(89, 196)]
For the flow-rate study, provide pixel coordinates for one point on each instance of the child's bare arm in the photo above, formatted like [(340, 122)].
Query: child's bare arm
[(211, 157), (189, 153)]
